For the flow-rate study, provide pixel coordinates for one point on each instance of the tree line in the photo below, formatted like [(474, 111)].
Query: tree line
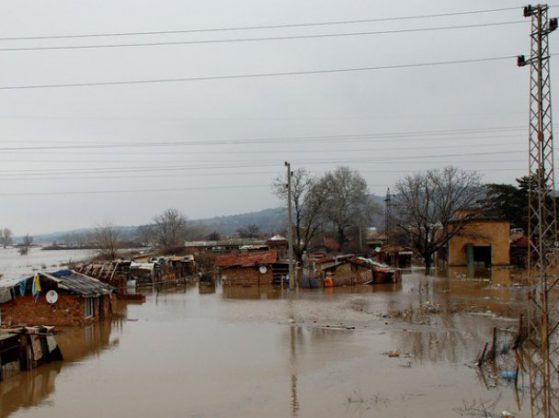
[(334, 205)]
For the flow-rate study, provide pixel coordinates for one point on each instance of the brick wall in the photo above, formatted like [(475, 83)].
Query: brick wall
[(69, 310), (246, 276)]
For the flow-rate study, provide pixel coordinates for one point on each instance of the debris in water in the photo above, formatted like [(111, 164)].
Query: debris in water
[(430, 307), (508, 374)]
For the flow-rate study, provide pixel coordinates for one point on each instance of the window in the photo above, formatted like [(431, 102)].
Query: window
[(88, 307)]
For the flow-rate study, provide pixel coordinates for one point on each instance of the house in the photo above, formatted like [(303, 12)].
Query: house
[(247, 268), (62, 298), (481, 240)]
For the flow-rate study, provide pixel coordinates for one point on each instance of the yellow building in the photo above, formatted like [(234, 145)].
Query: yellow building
[(480, 241)]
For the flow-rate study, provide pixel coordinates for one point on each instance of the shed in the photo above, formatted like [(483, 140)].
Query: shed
[(63, 298), (247, 269)]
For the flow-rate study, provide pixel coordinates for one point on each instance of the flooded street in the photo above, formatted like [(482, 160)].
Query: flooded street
[(253, 352)]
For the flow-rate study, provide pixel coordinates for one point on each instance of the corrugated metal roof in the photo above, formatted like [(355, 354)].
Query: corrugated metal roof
[(246, 259), (70, 281)]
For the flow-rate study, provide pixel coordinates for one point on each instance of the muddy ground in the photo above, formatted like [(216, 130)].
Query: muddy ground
[(403, 350)]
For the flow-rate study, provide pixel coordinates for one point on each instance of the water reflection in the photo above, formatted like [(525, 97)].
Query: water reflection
[(28, 389), (32, 388)]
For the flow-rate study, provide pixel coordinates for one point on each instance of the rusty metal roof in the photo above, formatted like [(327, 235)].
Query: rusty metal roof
[(68, 280), (249, 259)]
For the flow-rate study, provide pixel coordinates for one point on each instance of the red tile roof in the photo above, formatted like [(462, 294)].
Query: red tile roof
[(248, 259)]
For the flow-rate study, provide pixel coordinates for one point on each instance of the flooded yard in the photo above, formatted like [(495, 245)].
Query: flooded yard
[(254, 352)]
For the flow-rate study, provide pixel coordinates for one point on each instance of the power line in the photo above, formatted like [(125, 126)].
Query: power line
[(261, 39), (259, 75), (11, 173), (124, 191), (80, 177), (242, 28), (262, 151), (179, 189), (293, 141), (369, 137)]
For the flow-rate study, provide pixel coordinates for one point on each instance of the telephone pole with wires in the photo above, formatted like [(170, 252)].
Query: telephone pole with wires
[(290, 227), (387, 216), (541, 347)]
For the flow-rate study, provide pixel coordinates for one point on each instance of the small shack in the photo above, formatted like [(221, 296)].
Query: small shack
[(342, 270), (396, 255), (62, 298), (115, 273), (247, 269)]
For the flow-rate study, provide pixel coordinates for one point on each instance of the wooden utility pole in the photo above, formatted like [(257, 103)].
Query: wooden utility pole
[(290, 227)]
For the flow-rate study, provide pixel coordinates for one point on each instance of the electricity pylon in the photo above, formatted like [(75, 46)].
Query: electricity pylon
[(541, 347)]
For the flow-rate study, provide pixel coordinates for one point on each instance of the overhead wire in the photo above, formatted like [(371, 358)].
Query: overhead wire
[(179, 189), (369, 137), (265, 151), (260, 39), (260, 27), (22, 172), (259, 75)]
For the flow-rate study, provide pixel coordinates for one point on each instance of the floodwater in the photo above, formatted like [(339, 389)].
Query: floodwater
[(265, 352), (12, 264)]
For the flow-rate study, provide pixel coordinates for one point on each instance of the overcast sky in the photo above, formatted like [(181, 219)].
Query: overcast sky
[(221, 142)]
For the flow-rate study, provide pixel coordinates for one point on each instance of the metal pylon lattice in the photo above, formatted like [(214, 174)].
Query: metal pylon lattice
[(541, 348)]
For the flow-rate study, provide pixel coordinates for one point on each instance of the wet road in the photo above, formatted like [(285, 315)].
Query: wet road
[(239, 352)]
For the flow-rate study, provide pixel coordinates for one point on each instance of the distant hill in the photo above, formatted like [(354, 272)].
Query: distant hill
[(269, 221)]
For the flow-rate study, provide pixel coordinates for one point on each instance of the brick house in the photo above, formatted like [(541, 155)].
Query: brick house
[(247, 269), (483, 240), (62, 298)]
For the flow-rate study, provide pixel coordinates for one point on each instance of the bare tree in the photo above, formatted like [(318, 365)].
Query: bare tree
[(347, 202), (26, 243), (213, 236), (170, 228), (251, 231), (426, 203), (6, 237), (308, 200), (27, 240), (145, 234), (108, 241)]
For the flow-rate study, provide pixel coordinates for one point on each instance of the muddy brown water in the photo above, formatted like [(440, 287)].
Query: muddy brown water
[(255, 352)]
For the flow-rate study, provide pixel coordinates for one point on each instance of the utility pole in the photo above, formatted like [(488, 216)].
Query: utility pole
[(542, 345), (290, 227), (387, 215)]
